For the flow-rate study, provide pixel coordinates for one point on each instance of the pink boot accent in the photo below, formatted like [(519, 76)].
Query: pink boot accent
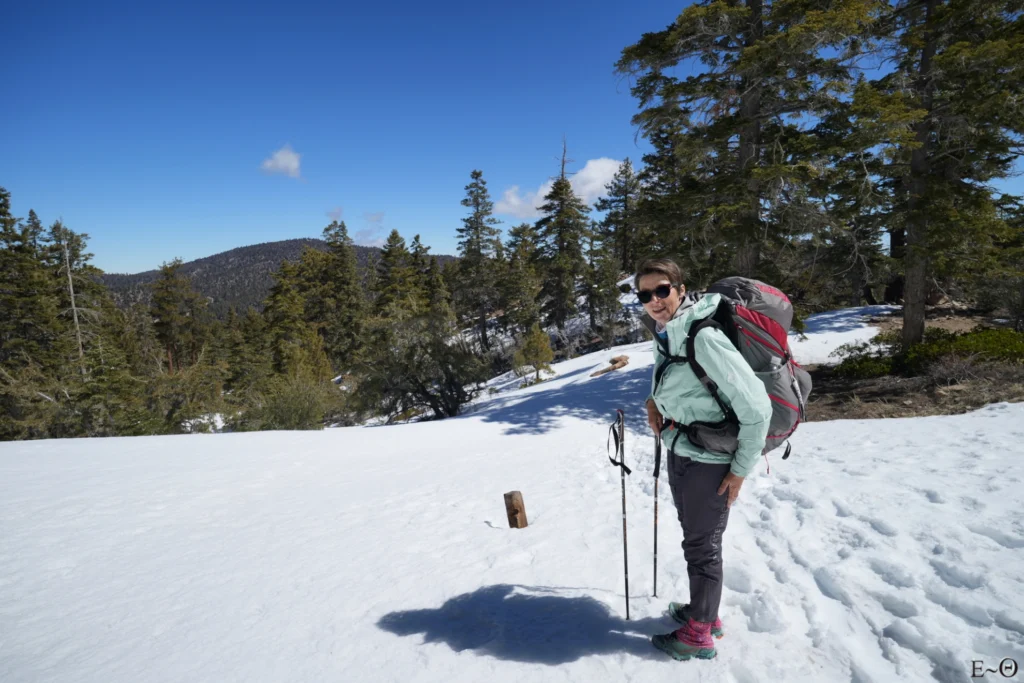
[(695, 634)]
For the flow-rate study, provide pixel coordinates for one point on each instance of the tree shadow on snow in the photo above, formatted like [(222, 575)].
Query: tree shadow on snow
[(588, 399), (535, 625)]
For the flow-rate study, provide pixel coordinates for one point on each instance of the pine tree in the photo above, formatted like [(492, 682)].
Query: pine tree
[(521, 286), (620, 228), (77, 286), (398, 290), (731, 134), (603, 306), (345, 329), (179, 315), (561, 234), (535, 352), (334, 304), (249, 357), (295, 346), (33, 340), (479, 243), (953, 81), (438, 299)]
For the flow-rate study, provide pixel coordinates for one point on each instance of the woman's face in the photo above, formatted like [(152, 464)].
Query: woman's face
[(659, 309)]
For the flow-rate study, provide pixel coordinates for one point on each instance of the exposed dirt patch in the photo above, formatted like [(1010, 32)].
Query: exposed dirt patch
[(950, 389), (951, 317), (834, 398)]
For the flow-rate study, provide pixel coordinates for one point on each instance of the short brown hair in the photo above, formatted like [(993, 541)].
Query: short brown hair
[(660, 266)]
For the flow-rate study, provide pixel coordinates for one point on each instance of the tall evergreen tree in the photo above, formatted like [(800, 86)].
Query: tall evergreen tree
[(296, 348), (521, 286), (438, 297), (77, 286), (333, 294), (179, 315), (956, 72), (398, 284), (620, 228), (731, 134), (33, 343), (561, 235), (603, 306), (479, 242)]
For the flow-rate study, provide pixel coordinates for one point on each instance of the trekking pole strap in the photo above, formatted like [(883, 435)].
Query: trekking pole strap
[(620, 446)]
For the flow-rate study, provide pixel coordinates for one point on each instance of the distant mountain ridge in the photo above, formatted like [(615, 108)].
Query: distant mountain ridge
[(239, 277)]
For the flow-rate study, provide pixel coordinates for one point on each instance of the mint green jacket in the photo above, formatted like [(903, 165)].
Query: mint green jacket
[(682, 398)]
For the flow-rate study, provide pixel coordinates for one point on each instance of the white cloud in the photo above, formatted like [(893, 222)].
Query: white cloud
[(284, 160), (373, 234), (336, 213), (589, 184), (512, 203), (592, 180)]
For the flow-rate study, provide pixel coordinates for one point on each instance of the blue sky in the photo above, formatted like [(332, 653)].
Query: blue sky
[(184, 129)]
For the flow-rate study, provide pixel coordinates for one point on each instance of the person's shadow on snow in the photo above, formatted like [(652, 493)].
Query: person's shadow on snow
[(535, 625)]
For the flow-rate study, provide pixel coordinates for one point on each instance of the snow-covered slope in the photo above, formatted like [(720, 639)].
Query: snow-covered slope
[(880, 551), (826, 332)]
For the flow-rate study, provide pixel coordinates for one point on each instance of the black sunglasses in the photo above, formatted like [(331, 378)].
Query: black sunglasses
[(661, 291)]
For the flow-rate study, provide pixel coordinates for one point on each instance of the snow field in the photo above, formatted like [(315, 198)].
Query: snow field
[(880, 551)]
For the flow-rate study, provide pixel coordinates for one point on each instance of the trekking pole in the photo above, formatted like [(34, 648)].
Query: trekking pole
[(657, 470), (620, 450)]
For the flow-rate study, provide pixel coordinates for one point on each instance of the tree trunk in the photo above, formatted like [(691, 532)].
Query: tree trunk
[(748, 251), (482, 327), (897, 251), (916, 259), (857, 286), (74, 309)]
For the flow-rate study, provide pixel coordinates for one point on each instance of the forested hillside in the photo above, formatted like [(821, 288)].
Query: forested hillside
[(239, 278)]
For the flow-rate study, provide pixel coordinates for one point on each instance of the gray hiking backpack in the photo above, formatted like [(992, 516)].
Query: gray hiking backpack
[(756, 318)]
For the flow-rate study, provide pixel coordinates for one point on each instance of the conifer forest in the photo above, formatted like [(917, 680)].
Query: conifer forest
[(846, 151)]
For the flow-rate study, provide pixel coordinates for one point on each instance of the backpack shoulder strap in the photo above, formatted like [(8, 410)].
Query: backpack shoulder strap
[(702, 376)]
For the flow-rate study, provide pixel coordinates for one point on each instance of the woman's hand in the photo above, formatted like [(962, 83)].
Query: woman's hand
[(654, 418), (732, 484)]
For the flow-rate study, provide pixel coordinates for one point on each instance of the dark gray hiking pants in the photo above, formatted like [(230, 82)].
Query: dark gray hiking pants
[(704, 515)]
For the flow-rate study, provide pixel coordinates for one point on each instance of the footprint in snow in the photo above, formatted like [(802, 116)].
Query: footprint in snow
[(1000, 537), (880, 526), (1005, 621), (970, 613), (898, 607), (764, 614), (972, 504), (738, 581), (741, 673), (830, 585), (779, 571), (765, 547), (957, 576), (794, 496), (842, 509), (892, 574), (933, 496)]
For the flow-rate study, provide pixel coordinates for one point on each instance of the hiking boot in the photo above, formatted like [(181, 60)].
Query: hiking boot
[(691, 641), (681, 613)]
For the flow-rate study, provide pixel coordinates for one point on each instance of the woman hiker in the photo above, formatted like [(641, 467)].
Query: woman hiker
[(704, 484)]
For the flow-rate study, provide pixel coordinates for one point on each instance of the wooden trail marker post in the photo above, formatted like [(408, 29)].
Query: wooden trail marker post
[(515, 509)]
